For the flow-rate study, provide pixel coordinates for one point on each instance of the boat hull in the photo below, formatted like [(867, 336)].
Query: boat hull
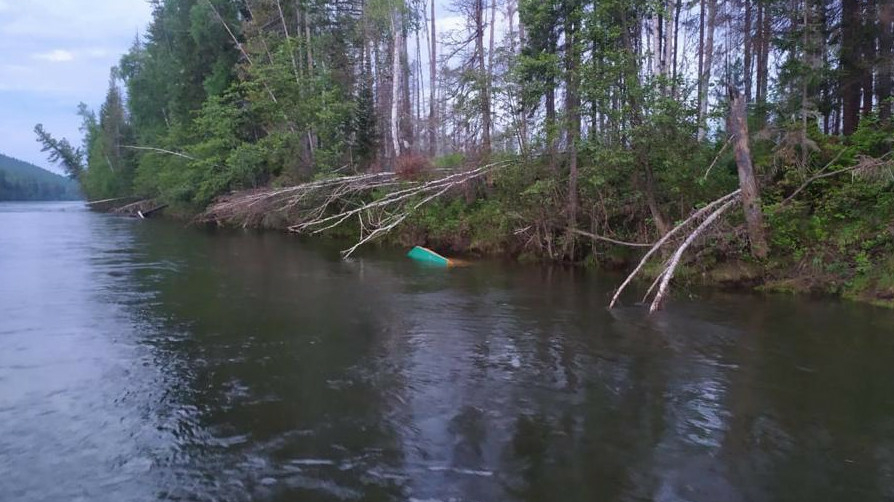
[(429, 257)]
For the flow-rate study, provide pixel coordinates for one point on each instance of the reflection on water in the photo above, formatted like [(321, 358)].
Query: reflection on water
[(143, 361)]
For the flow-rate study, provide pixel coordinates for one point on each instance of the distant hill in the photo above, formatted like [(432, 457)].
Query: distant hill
[(23, 181)]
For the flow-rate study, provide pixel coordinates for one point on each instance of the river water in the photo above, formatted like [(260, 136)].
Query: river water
[(141, 360)]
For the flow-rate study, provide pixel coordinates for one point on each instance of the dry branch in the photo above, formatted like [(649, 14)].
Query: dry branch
[(866, 166), (668, 273), (321, 205), (695, 216), (610, 240)]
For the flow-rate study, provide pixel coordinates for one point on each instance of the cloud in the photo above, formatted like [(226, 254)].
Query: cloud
[(55, 56), (98, 52), (40, 42)]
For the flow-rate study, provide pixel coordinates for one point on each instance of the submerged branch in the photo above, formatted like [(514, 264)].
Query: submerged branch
[(695, 216), (668, 273)]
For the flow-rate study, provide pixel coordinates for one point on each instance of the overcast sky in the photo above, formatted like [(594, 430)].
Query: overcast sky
[(55, 54)]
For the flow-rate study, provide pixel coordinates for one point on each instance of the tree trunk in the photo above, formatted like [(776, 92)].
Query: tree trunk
[(655, 39), (482, 77), (746, 31), (886, 59), (669, 44), (762, 43), (868, 59), (433, 107), (701, 59), (705, 77), (751, 202), (417, 82), (677, 10), (406, 110), (396, 78), (849, 66), (572, 107)]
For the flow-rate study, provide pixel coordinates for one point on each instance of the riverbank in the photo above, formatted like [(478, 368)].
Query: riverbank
[(834, 241)]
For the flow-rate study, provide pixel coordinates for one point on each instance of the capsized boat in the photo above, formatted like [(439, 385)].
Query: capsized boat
[(429, 257)]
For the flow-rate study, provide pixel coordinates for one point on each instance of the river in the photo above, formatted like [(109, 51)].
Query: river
[(141, 361)]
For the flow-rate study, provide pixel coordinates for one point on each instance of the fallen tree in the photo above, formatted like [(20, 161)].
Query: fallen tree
[(379, 201), (706, 216)]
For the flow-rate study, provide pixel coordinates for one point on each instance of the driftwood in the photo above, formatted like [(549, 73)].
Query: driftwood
[(150, 212), (106, 201), (139, 208)]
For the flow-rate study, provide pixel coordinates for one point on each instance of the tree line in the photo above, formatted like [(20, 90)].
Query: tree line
[(21, 181), (615, 108)]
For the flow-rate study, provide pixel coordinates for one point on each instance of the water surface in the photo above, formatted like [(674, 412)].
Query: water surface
[(140, 360)]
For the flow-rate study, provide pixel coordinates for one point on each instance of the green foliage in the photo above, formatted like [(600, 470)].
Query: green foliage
[(449, 161), (61, 152)]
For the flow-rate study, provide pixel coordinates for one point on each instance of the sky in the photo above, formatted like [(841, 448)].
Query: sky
[(55, 54)]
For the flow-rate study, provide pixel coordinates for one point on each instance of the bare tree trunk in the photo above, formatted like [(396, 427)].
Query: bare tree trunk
[(868, 58), (808, 57), (701, 58), (285, 30), (433, 70), (655, 42), (676, 33), (382, 89), (490, 62), (572, 111), (490, 51), (396, 77), (705, 76), (482, 77), (762, 46), (746, 32), (310, 54), (886, 59), (751, 202), (669, 42), (417, 70)]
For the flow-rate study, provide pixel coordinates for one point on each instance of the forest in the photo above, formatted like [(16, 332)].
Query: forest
[(564, 130), (21, 181)]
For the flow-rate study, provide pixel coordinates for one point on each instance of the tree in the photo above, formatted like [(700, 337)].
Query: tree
[(61, 152), (751, 200)]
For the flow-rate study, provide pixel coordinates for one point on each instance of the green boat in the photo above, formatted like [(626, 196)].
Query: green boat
[(429, 257)]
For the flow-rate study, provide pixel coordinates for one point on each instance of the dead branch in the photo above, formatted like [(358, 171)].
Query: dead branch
[(719, 154), (159, 150), (609, 239), (668, 273), (322, 205), (869, 166), (695, 216)]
